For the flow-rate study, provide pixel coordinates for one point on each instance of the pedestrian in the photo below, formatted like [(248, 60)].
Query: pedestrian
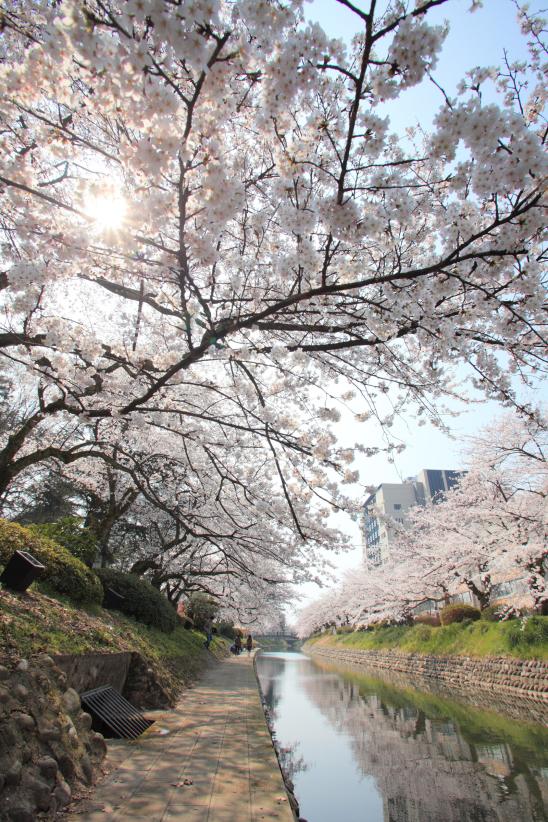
[(208, 628), (249, 643), (238, 644)]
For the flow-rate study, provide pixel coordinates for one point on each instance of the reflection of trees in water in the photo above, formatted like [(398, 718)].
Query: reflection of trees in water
[(426, 768), (270, 670), (270, 697), (291, 762)]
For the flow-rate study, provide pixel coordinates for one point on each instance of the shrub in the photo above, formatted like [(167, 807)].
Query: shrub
[(226, 628), (514, 635), (141, 599), (64, 573), (382, 624), (534, 630), (491, 613), (71, 534), (345, 629), (428, 619), (423, 632), (494, 613), (458, 612)]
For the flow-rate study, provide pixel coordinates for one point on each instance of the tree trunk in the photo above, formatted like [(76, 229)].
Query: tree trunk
[(483, 597)]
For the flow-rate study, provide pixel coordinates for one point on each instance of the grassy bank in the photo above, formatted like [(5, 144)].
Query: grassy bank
[(524, 639), (34, 622)]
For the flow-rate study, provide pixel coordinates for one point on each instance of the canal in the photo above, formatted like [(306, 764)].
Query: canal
[(360, 749)]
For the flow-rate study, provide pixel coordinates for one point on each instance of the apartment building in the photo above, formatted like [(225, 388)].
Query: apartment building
[(393, 499)]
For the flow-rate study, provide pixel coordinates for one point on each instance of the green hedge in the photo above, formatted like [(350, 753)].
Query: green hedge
[(458, 612), (141, 600), (64, 573), (72, 535)]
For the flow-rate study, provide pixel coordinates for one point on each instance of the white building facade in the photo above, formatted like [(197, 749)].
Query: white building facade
[(393, 499)]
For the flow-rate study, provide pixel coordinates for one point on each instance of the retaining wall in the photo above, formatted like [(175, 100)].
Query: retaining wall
[(87, 671), (127, 672), (47, 746)]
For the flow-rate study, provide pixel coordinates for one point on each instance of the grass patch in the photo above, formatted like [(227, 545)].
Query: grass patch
[(37, 622), (525, 639)]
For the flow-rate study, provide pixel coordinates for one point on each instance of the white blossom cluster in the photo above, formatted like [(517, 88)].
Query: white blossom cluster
[(415, 49), (506, 154)]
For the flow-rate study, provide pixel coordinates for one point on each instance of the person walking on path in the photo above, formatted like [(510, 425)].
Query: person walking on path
[(238, 644), (249, 643), (208, 628)]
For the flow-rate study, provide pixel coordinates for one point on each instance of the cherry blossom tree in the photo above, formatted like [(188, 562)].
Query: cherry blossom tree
[(496, 517), (212, 241), (324, 612), (493, 524), (510, 460)]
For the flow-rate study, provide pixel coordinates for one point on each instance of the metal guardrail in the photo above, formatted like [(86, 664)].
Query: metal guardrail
[(113, 715)]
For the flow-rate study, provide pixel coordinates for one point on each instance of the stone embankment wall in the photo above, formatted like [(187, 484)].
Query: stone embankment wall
[(87, 671), (47, 746), (143, 686), (129, 673), (510, 681)]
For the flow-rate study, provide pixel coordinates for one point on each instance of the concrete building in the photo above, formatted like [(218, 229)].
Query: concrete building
[(393, 499)]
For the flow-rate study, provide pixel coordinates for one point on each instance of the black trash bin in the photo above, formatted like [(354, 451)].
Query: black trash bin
[(21, 570), (113, 599)]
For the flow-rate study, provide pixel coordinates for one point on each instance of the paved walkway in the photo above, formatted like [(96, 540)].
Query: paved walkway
[(209, 760)]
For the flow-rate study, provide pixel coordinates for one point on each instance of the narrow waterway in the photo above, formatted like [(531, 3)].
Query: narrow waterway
[(361, 750)]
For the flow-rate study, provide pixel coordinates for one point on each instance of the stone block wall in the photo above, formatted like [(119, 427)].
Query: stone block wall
[(47, 746), (87, 671), (143, 687), (129, 673)]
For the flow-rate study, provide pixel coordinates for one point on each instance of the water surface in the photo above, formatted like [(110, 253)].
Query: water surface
[(361, 750)]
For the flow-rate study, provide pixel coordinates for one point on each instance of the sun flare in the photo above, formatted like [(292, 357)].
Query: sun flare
[(107, 211)]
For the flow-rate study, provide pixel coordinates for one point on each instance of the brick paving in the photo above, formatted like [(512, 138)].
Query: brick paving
[(211, 759)]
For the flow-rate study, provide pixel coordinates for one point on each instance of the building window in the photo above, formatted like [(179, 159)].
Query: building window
[(397, 506), (509, 587)]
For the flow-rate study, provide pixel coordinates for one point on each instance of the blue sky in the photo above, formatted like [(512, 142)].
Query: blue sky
[(477, 39)]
